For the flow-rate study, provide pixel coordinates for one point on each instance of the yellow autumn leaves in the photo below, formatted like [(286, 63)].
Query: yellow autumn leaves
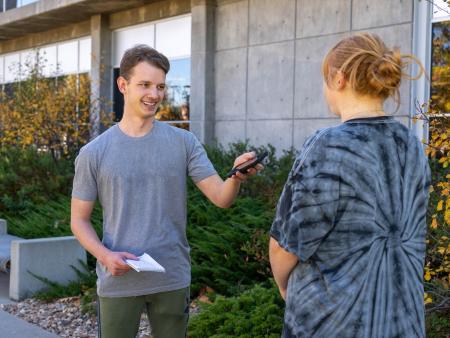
[(48, 113), (437, 263)]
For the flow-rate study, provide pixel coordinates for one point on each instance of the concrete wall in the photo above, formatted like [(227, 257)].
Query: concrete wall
[(268, 54), (255, 63)]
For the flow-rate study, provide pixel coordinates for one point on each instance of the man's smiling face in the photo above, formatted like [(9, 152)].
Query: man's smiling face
[(144, 90)]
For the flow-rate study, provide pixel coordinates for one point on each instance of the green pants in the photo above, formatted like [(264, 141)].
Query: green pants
[(168, 313)]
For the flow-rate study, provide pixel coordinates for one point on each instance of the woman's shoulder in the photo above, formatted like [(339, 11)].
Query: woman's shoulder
[(324, 136), (330, 142), (358, 135)]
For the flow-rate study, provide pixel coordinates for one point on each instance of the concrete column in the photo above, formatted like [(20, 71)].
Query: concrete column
[(101, 72), (420, 89), (202, 69)]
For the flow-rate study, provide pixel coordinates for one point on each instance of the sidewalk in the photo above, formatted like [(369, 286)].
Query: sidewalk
[(12, 326)]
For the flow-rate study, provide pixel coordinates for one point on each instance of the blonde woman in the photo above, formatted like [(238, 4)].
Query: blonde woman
[(348, 241)]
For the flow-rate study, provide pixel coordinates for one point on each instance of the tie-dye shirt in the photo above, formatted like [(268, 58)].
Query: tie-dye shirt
[(353, 211)]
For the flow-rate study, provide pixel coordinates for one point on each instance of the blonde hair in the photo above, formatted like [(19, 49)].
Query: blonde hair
[(369, 66)]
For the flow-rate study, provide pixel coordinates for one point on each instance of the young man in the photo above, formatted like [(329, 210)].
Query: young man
[(137, 169)]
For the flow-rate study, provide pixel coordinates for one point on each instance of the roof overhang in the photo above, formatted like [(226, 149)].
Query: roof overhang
[(49, 14)]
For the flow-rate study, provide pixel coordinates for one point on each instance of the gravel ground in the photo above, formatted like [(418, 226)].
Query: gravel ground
[(62, 317)]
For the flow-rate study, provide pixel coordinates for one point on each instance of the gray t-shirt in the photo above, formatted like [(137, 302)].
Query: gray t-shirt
[(353, 211), (141, 185)]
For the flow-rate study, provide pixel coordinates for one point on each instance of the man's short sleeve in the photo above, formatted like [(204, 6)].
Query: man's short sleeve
[(308, 204), (85, 179), (199, 166)]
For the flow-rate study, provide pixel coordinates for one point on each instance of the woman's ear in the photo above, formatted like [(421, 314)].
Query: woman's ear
[(339, 80)]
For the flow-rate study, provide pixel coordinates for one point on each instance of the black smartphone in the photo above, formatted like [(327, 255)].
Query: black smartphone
[(243, 167)]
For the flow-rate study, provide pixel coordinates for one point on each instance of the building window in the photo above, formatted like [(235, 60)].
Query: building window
[(172, 38), (429, 15), (69, 57), (48, 56), (55, 62), (84, 55), (11, 67), (9, 4), (440, 57), (6, 5), (25, 2)]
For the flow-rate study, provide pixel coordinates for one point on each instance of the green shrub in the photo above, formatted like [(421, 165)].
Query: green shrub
[(221, 240), (29, 178), (257, 312), (437, 261), (438, 324), (230, 246), (51, 219), (86, 279), (267, 185)]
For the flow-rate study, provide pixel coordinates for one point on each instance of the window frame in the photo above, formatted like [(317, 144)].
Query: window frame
[(422, 48), (59, 72), (433, 21), (18, 5)]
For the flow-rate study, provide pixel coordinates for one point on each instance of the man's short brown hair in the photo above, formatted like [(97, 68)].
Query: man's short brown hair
[(140, 53)]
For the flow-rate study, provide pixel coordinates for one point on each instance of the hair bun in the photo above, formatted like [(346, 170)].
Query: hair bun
[(384, 74), (370, 67)]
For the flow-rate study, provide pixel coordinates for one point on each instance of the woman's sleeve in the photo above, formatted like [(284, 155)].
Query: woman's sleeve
[(308, 204)]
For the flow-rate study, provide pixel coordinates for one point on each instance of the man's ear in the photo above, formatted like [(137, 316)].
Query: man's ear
[(122, 84)]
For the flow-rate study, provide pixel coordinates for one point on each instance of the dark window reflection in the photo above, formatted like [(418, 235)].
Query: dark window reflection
[(440, 67), (117, 97), (10, 4)]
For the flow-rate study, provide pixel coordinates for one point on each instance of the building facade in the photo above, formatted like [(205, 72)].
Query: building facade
[(241, 69)]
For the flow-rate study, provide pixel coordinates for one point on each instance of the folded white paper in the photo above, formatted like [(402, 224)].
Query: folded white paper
[(145, 263)]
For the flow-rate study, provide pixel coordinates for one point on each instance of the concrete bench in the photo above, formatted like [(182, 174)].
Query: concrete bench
[(50, 258), (5, 251), (5, 247)]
